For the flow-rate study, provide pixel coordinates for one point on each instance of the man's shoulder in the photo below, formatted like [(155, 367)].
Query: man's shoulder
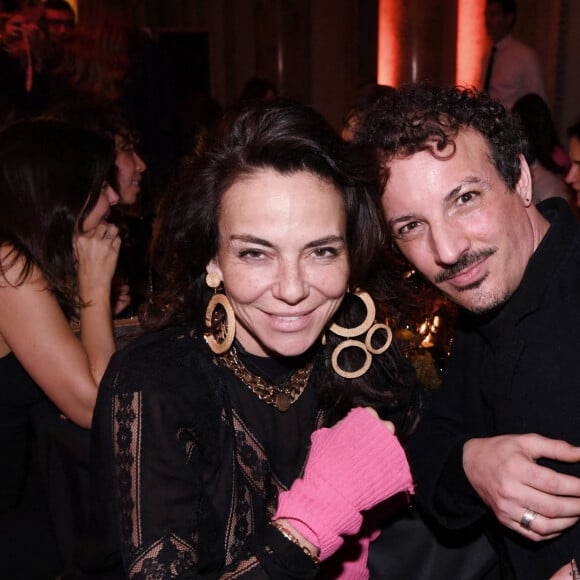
[(514, 46)]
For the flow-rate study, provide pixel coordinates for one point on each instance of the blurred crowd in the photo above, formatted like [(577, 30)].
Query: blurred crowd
[(104, 168)]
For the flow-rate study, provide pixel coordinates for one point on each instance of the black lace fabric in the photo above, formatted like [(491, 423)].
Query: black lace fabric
[(194, 463)]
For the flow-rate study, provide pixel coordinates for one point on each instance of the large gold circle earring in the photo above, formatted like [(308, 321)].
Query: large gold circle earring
[(220, 319), (350, 374), (368, 339), (364, 325), (368, 326)]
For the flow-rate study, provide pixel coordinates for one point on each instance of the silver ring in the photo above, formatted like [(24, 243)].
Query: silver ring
[(108, 235), (527, 519)]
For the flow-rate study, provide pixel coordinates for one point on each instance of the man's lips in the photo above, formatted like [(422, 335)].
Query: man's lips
[(468, 275), (467, 269)]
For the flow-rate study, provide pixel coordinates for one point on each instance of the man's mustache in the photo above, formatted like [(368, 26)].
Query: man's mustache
[(464, 262)]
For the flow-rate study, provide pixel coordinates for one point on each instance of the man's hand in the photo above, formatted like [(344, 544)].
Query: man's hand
[(567, 572), (504, 472)]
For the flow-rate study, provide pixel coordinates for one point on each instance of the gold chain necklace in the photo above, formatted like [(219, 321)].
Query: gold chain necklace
[(279, 396)]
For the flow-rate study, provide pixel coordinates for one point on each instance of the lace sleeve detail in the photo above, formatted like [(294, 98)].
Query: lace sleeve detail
[(157, 542), (160, 439)]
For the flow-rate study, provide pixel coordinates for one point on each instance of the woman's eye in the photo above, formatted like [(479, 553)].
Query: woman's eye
[(325, 252), (250, 254), (125, 146), (406, 229)]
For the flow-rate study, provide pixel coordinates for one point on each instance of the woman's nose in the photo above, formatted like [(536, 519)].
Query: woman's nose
[(112, 196), (140, 165), (290, 286)]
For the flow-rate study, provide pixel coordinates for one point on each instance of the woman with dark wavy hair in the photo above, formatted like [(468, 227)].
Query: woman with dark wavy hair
[(57, 257), (202, 429)]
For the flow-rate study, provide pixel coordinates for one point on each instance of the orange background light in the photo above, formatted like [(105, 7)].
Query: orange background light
[(470, 47), (471, 41), (389, 45)]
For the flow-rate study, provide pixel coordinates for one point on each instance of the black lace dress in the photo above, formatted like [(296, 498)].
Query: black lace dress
[(189, 463)]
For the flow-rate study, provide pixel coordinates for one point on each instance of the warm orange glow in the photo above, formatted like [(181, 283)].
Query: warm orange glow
[(74, 5), (389, 45), (471, 41)]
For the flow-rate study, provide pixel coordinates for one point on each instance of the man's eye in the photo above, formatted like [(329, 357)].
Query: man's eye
[(465, 197)]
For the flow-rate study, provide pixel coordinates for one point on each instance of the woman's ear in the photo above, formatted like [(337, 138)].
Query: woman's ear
[(214, 274)]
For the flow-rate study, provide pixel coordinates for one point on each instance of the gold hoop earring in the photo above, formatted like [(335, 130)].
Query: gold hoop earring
[(370, 327), (220, 319), (364, 325), (350, 374), (368, 338)]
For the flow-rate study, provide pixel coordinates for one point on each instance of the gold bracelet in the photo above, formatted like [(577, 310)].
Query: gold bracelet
[(289, 536)]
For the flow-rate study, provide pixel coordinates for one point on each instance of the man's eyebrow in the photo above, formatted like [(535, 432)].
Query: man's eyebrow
[(472, 179), (467, 181)]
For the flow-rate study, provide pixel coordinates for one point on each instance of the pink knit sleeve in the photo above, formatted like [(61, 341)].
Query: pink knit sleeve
[(352, 466)]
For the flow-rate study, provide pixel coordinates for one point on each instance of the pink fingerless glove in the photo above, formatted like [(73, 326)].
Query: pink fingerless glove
[(352, 467)]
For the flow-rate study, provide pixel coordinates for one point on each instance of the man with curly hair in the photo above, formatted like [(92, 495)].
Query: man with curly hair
[(501, 435)]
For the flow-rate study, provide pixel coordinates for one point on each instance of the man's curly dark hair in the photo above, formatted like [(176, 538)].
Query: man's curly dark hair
[(423, 117)]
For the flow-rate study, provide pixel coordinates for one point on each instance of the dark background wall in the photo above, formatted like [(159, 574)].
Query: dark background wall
[(320, 50)]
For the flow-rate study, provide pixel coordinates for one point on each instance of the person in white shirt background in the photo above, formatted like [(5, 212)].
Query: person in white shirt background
[(515, 68)]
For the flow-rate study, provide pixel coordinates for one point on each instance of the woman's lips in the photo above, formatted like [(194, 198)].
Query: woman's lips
[(290, 322)]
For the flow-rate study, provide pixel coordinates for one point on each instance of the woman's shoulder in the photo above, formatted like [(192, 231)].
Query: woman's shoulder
[(15, 269), (174, 354)]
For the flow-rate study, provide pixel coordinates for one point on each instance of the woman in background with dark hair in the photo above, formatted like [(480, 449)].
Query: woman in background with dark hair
[(547, 159), (57, 258), (131, 281), (201, 439)]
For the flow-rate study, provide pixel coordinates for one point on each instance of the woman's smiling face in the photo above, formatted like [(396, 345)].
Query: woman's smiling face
[(282, 258)]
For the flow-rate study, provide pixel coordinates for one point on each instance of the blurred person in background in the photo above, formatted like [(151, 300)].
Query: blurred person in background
[(58, 254), (367, 95), (510, 68), (24, 88), (59, 20), (573, 175), (131, 282), (548, 161)]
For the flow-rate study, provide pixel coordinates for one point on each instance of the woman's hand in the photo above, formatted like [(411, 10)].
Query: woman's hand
[(97, 252), (352, 467)]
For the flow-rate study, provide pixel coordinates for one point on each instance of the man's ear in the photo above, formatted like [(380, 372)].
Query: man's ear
[(524, 185)]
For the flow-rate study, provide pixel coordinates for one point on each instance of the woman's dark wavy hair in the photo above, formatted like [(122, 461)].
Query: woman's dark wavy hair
[(543, 140), (51, 176), (101, 117), (423, 117), (287, 137)]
